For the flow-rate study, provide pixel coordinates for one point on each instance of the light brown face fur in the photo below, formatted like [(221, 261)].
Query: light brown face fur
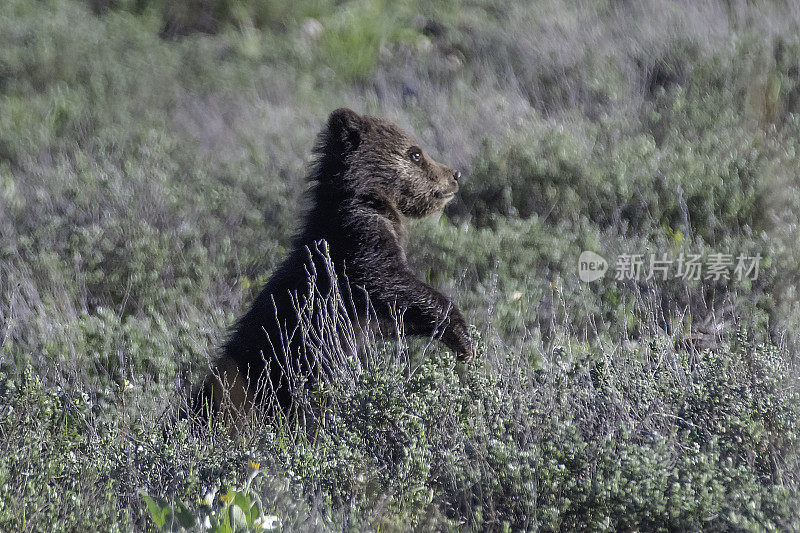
[(391, 164)]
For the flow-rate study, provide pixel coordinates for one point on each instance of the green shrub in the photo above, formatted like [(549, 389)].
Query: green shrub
[(149, 186)]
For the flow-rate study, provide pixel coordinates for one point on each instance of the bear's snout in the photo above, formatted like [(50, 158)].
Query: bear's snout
[(448, 177), (455, 175)]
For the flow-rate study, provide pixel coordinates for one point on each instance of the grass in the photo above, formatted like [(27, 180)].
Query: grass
[(151, 177)]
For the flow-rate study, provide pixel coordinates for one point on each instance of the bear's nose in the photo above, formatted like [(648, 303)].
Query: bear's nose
[(457, 175)]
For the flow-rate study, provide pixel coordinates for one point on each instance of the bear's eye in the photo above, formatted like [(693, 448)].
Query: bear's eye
[(415, 154)]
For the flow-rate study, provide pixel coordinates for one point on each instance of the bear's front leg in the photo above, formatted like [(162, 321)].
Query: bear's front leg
[(425, 311)]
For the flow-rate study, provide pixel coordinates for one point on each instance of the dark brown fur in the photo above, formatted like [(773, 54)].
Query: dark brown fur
[(365, 183)]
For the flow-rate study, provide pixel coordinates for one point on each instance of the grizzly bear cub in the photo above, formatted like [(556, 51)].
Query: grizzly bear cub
[(368, 176)]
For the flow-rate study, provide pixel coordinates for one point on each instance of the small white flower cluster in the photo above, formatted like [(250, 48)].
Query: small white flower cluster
[(268, 522)]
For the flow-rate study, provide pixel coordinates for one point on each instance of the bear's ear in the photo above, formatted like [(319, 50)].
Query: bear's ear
[(345, 126)]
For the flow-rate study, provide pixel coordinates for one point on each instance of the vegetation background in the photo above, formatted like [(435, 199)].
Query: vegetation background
[(152, 161)]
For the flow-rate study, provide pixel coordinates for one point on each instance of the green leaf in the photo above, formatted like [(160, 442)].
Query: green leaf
[(248, 507), (220, 526), (185, 518), (158, 510)]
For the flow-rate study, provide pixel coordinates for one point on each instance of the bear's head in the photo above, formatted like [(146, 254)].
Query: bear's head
[(373, 158)]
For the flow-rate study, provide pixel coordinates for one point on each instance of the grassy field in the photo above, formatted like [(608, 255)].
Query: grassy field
[(152, 163)]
